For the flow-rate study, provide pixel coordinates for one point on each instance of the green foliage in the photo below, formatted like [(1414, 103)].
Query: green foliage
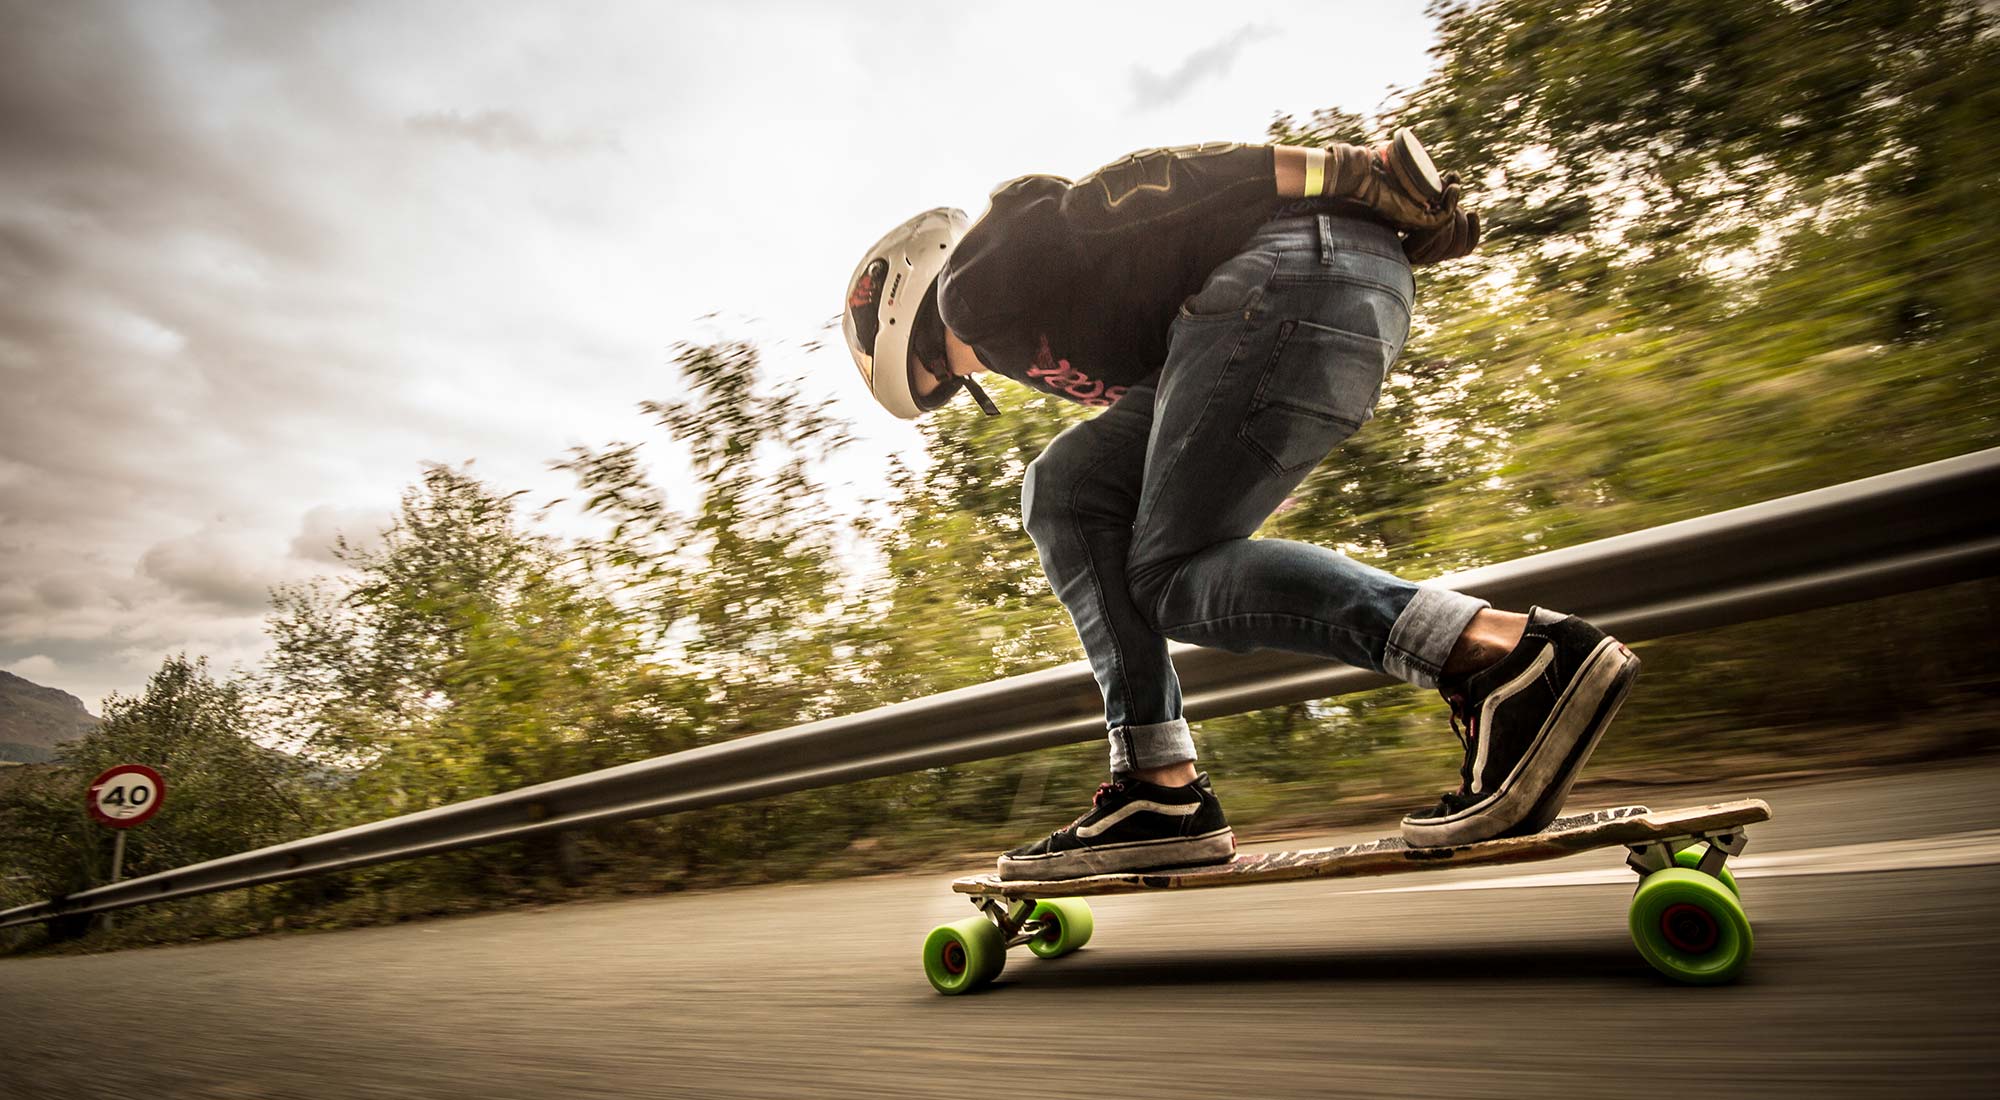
[(741, 594), (737, 587), (461, 658), (1325, 127), (225, 792), (956, 553), (458, 659), (1728, 262), (1736, 250)]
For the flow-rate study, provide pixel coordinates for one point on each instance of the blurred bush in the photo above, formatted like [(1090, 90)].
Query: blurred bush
[(1737, 250)]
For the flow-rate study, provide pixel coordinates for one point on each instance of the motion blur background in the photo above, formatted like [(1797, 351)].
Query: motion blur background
[(1736, 250)]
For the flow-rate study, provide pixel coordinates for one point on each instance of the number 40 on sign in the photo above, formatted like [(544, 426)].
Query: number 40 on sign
[(126, 795)]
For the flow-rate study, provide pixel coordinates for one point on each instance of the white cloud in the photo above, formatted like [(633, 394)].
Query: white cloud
[(213, 568), (1211, 62), (259, 263), (39, 668), (324, 528)]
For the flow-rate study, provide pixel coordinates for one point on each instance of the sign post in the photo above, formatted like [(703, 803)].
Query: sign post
[(124, 796)]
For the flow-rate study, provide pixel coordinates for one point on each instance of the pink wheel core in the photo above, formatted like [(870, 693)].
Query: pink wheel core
[(954, 958), (1690, 928)]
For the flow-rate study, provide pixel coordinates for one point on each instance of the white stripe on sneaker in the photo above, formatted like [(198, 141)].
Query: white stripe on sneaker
[(1171, 809), (1500, 695)]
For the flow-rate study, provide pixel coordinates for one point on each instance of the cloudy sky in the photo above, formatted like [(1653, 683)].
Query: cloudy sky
[(261, 261)]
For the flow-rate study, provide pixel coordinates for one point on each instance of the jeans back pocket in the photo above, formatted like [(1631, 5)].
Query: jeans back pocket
[(1233, 288), (1319, 386)]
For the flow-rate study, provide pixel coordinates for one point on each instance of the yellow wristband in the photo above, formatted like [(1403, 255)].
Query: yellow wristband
[(1315, 172)]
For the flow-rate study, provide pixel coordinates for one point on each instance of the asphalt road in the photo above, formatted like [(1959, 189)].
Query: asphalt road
[(1868, 981)]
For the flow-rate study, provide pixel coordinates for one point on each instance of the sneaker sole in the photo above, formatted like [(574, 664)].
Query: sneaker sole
[(1138, 855), (1529, 798), (1549, 807)]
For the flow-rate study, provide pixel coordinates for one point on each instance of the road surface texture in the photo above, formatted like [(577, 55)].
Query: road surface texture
[(1872, 978)]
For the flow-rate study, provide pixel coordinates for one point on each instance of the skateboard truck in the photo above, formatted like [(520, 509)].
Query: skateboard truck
[(1014, 918), (1658, 855)]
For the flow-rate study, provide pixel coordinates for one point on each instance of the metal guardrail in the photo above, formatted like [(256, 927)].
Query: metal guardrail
[(1916, 528)]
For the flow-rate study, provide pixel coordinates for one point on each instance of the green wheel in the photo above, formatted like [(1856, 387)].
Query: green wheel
[(1690, 927), (962, 956), (1066, 926), (1691, 859)]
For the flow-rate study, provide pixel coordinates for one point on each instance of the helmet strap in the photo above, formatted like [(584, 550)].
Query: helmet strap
[(986, 404)]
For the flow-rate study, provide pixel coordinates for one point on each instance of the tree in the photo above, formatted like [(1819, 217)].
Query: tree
[(461, 658), (226, 792), (741, 592)]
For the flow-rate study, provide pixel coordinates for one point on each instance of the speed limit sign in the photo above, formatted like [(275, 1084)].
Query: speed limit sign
[(126, 795)]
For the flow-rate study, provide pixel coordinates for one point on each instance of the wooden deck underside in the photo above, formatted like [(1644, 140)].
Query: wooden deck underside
[(1390, 855)]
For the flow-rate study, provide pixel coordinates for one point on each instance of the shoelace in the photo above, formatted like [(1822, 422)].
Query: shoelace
[(1096, 800), (1468, 738)]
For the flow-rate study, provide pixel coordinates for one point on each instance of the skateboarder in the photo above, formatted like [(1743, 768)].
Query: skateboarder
[(1233, 309)]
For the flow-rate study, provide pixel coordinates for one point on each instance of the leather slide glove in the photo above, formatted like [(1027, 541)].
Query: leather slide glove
[(1457, 235), (1386, 181)]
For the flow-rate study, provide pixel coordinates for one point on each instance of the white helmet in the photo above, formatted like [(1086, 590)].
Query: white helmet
[(892, 310)]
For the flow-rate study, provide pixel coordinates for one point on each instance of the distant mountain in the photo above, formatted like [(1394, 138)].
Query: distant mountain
[(35, 719)]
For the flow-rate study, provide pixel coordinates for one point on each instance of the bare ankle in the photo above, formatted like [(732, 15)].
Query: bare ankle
[(1490, 636), (1166, 775)]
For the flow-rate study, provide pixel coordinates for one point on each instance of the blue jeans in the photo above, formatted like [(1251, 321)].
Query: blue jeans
[(1143, 516)]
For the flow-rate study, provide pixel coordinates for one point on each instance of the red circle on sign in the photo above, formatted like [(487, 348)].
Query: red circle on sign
[(108, 786)]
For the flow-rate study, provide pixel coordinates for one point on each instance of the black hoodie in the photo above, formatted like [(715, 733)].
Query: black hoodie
[(1072, 287)]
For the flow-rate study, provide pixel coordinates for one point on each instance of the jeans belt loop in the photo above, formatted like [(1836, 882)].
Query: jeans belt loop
[(1325, 240)]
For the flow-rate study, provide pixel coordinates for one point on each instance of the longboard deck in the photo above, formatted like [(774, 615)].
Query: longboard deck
[(1390, 855)]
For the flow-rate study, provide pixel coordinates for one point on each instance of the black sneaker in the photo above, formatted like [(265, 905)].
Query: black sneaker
[(1528, 723), (1132, 825)]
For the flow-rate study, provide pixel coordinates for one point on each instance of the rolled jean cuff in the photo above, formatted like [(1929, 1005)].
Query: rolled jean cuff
[(1153, 746), (1424, 634)]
